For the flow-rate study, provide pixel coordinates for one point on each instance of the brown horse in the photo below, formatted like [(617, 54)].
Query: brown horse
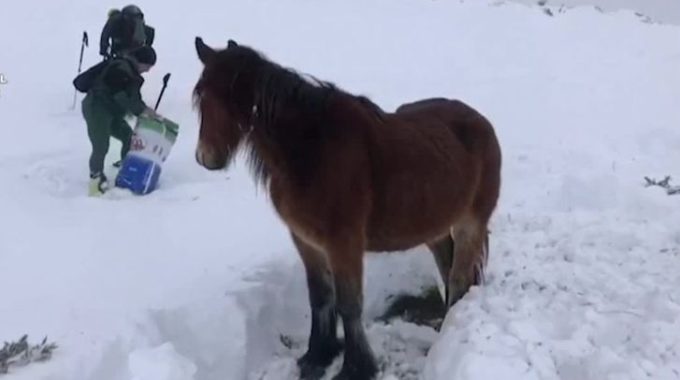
[(347, 178)]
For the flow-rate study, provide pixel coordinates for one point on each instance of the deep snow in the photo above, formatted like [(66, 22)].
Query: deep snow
[(199, 280), (660, 11)]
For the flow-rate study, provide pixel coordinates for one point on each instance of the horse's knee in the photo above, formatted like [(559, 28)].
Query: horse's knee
[(321, 289), (347, 266), (349, 298), (319, 276)]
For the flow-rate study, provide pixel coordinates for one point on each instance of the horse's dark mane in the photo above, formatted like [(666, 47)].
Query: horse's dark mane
[(279, 87), (293, 111)]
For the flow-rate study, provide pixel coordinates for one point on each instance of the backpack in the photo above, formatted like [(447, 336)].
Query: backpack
[(130, 33), (84, 81)]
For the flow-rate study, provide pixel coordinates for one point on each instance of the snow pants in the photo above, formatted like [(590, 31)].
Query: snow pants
[(102, 124)]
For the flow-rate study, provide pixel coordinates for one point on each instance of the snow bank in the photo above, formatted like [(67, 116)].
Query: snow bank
[(200, 281)]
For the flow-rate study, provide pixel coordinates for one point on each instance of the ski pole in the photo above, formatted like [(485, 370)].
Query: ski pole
[(166, 78), (83, 44)]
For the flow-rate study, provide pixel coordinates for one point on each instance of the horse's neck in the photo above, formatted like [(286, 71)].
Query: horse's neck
[(264, 155)]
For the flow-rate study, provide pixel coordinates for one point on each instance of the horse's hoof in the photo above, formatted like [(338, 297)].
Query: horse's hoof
[(309, 370), (313, 364), (365, 371)]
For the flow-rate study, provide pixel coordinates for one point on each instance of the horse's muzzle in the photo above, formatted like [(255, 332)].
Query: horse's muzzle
[(208, 159)]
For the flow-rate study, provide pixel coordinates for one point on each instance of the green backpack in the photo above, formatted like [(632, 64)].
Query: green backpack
[(129, 32)]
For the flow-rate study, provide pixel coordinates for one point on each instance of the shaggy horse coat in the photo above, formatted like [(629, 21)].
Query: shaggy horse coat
[(348, 178)]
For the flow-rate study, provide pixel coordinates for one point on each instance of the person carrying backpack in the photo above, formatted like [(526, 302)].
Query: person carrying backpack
[(126, 30), (113, 90)]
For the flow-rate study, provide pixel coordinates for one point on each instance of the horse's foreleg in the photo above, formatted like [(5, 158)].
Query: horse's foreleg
[(347, 264), (323, 344), (442, 250), (468, 259)]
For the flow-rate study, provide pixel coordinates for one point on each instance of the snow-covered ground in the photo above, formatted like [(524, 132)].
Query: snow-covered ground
[(663, 11), (199, 280)]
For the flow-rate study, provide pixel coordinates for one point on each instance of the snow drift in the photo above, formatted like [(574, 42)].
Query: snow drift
[(199, 280)]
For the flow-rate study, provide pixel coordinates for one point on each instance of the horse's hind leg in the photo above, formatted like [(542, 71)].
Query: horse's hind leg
[(471, 231), (323, 340), (442, 250), (469, 257)]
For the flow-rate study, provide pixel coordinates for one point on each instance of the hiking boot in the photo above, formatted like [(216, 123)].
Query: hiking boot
[(99, 184)]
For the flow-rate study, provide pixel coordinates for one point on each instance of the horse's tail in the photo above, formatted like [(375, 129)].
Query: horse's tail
[(486, 144)]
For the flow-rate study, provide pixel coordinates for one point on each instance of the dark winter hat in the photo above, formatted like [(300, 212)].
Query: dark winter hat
[(145, 55), (132, 10)]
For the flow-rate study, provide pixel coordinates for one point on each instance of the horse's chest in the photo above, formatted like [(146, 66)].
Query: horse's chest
[(295, 209)]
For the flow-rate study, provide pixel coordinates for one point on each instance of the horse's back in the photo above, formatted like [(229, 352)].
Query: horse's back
[(470, 126), (422, 104), (423, 174), (473, 131), (476, 133)]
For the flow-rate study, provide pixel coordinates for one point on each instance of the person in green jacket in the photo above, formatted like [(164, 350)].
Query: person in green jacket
[(114, 94)]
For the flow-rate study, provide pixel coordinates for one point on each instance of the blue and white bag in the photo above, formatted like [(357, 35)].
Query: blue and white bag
[(151, 144)]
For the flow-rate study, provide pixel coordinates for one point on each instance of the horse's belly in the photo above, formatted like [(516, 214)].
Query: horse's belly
[(407, 216)]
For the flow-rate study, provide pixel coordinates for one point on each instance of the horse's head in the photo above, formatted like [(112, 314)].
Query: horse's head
[(223, 116)]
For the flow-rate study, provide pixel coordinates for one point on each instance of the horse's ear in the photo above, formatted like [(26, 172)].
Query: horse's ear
[(205, 52), (231, 44)]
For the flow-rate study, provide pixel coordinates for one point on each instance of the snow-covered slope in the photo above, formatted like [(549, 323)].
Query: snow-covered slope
[(662, 11), (199, 280)]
